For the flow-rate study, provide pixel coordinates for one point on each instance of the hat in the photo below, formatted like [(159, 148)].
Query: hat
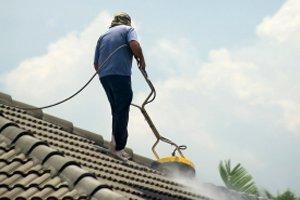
[(121, 18)]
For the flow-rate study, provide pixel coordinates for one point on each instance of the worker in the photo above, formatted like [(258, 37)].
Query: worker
[(115, 76)]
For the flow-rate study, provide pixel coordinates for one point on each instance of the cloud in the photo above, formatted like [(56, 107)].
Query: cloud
[(283, 25), (230, 105), (58, 73), (291, 114), (171, 53), (67, 63), (261, 75), (237, 102)]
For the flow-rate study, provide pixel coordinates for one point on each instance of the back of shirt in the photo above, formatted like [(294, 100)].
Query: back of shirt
[(121, 62)]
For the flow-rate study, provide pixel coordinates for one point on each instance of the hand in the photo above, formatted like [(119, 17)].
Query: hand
[(141, 64)]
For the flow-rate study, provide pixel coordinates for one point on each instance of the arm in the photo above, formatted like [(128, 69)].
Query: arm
[(138, 53)]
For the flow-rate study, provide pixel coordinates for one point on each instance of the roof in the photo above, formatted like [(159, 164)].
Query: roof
[(42, 156), (45, 157), (29, 167)]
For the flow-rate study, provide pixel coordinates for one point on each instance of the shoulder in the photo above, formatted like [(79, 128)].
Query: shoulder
[(130, 29), (122, 28)]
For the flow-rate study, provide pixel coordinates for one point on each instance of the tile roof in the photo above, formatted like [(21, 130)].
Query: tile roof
[(42, 155), (29, 167), (45, 157)]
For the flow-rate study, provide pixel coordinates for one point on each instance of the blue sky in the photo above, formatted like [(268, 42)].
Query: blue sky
[(28, 27), (226, 72)]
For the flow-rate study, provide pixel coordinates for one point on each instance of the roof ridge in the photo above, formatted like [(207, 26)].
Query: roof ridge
[(67, 169)]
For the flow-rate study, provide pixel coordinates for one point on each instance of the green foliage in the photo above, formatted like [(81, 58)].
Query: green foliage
[(287, 195), (237, 178)]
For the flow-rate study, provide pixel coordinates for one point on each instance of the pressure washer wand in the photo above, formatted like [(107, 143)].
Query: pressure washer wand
[(151, 96)]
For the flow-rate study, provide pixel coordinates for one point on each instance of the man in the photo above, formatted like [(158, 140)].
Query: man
[(115, 75)]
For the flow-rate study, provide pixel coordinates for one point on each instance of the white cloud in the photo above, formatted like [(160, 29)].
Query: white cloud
[(171, 53), (199, 101), (65, 66), (291, 115), (262, 75), (257, 84), (284, 24)]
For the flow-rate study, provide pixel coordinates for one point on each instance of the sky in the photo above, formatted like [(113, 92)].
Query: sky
[(226, 73)]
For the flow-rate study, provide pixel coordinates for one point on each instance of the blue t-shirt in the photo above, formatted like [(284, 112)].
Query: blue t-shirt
[(121, 62)]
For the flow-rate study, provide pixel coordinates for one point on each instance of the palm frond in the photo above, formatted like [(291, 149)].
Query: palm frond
[(237, 178)]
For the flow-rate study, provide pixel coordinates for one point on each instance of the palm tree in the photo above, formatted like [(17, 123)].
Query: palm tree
[(287, 195), (237, 178)]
